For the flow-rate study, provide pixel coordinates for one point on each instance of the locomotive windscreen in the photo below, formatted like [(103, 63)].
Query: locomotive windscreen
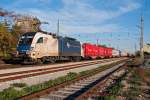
[(26, 38)]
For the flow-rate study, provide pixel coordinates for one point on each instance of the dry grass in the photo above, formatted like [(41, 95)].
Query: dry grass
[(137, 61), (145, 75)]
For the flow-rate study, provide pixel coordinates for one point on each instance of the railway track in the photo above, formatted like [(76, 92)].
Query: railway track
[(14, 66), (36, 72), (75, 89), (107, 81)]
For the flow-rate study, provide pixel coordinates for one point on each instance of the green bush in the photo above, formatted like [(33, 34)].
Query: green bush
[(19, 85), (106, 98), (10, 94)]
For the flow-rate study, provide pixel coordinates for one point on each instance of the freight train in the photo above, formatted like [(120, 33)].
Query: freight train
[(40, 47)]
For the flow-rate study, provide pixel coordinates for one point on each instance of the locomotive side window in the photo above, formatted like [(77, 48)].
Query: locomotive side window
[(40, 40)]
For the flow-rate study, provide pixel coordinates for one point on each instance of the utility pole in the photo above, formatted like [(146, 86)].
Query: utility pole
[(58, 27), (97, 41), (141, 38), (135, 48)]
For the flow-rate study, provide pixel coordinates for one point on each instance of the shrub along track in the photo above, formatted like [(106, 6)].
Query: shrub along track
[(87, 79), (36, 72)]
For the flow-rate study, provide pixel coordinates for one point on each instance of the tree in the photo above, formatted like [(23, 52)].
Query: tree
[(5, 39), (16, 32)]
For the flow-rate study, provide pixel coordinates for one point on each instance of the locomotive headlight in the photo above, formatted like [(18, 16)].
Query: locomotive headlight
[(33, 54)]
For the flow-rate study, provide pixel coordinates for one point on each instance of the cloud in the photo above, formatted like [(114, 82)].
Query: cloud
[(81, 16), (129, 7), (91, 29)]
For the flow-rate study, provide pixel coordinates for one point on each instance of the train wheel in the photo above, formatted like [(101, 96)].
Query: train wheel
[(39, 61), (71, 59), (43, 60), (52, 60), (76, 59)]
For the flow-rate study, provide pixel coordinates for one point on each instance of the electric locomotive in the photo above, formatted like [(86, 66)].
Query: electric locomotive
[(40, 47)]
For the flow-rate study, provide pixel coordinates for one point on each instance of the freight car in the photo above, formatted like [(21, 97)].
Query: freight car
[(116, 53), (92, 51), (47, 47), (108, 52), (124, 54)]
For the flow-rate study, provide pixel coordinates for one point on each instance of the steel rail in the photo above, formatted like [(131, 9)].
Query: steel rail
[(44, 71), (12, 66)]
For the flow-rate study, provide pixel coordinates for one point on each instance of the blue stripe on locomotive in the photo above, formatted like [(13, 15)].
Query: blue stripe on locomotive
[(69, 47), (23, 48)]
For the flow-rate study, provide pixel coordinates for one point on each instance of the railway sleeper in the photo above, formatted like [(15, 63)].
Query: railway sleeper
[(71, 89), (77, 87), (80, 84), (58, 94), (55, 97), (68, 90), (65, 92), (62, 93)]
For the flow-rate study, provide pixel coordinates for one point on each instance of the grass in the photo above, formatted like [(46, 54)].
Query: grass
[(135, 82), (1, 53), (137, 61), (12, 94), (107, 98), (6, 56), (114, 90), (20, 85), (1, 62), (147, 73)]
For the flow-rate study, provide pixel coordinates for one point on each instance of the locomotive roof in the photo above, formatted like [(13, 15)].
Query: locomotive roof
[(49, 33), (54, 34), (29, 33), (69, 38)]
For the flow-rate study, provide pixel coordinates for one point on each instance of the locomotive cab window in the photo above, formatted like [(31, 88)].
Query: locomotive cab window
[(26, 38), (40, 40)]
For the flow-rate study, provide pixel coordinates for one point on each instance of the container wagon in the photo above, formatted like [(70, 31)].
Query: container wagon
[(101, 51), (91, 51), (107, 52), (87, 50), (116, 53), (124, 54)]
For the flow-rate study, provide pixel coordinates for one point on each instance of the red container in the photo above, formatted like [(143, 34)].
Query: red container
[(93, 51), (100, 52), (90, 50), (108, 52)]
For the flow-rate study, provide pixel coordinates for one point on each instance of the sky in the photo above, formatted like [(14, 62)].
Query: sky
[(114, 23)]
